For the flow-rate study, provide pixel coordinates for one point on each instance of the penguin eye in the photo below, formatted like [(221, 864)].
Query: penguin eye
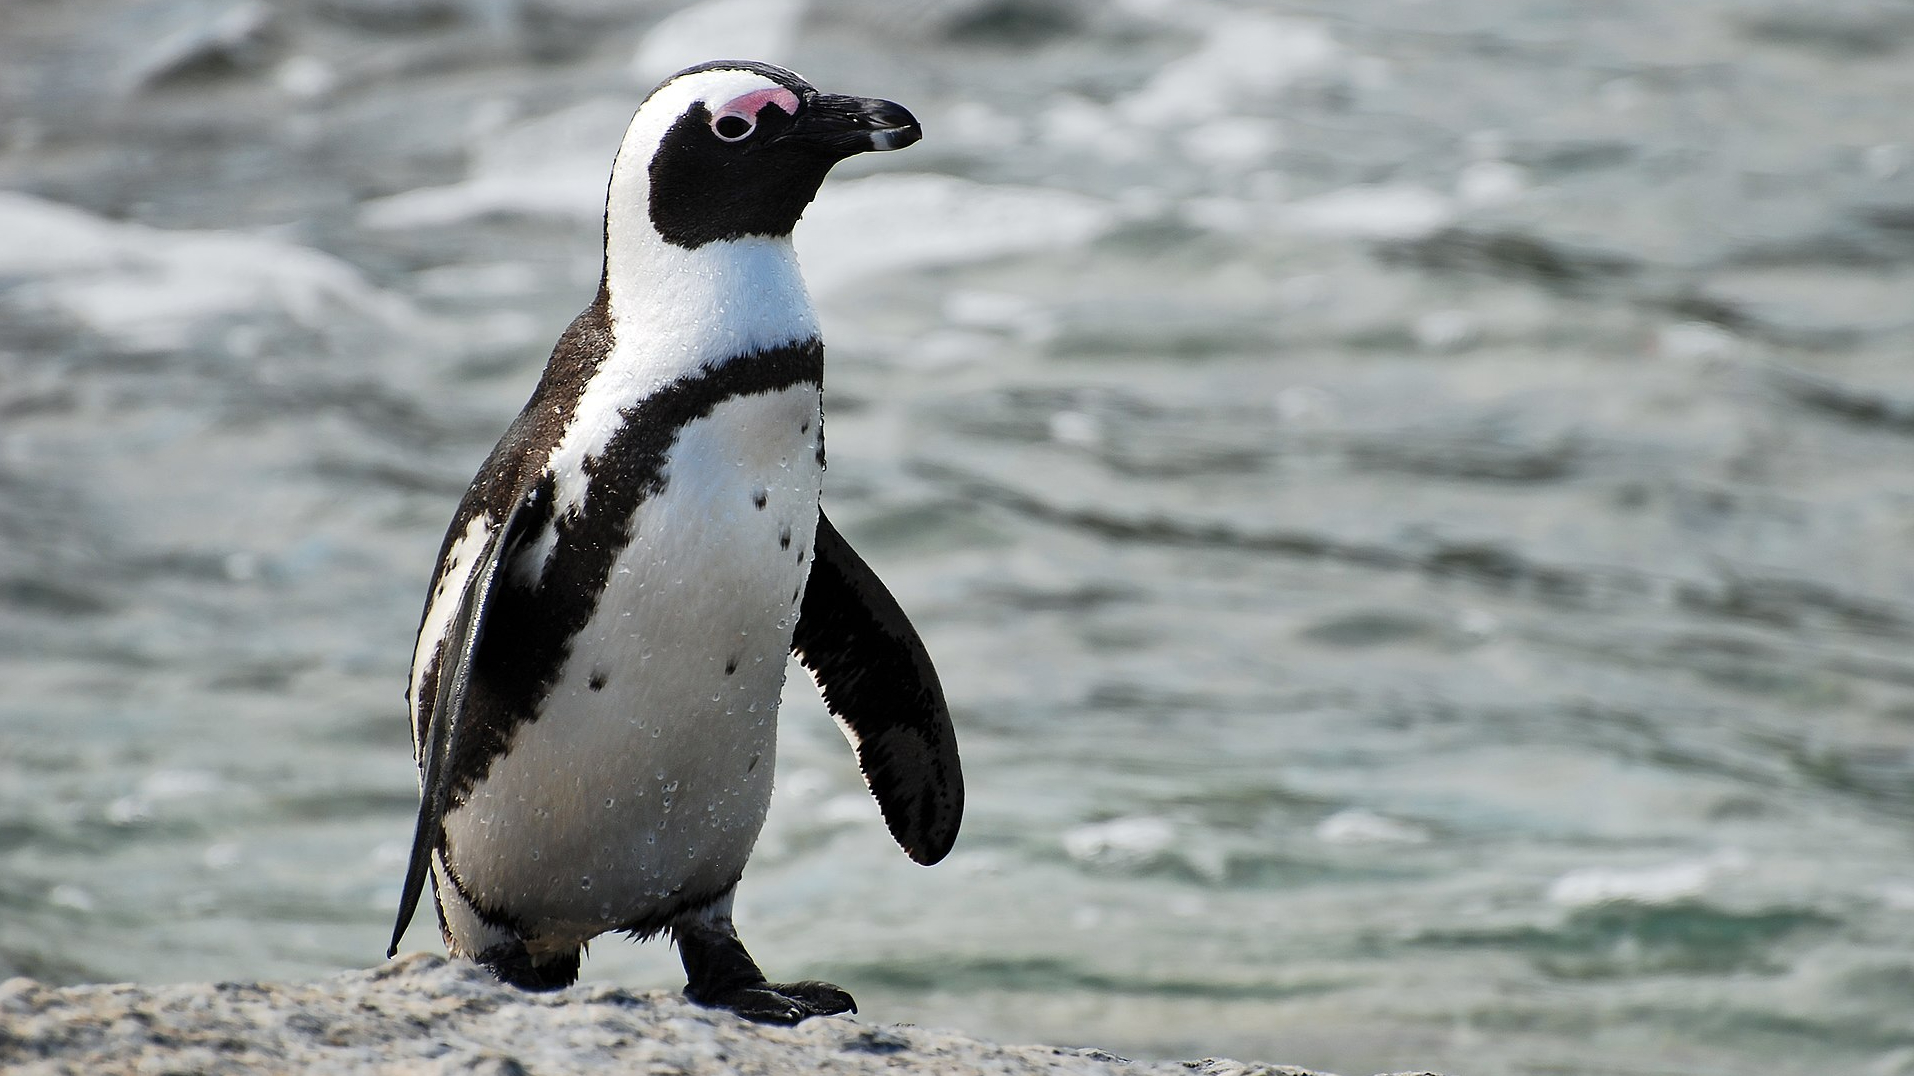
[(731, 127)]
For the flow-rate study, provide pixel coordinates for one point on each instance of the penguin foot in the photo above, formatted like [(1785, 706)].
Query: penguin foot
[(777, 1003), (823, 999), (512, 964), (723, 976)]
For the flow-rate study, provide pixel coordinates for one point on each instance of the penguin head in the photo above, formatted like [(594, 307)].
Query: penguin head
[(734, 148)]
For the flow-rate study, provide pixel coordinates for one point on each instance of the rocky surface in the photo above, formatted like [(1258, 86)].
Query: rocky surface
[(425, 1014)]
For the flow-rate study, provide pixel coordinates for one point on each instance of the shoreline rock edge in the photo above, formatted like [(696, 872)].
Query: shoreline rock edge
[(423, 1013)]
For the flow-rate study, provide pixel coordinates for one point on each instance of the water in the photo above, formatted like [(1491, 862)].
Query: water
[(1410, 501)]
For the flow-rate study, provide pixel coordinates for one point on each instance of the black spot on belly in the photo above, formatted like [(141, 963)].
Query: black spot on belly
[(800, 554), (731, 666), (784, 538), (597, 681), (760, 498)]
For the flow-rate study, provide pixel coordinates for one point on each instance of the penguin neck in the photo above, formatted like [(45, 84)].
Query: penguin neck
[(677, 310), (674, 311), (674, 315)]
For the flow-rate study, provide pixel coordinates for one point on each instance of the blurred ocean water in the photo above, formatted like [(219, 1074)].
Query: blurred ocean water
[(1412, 501)]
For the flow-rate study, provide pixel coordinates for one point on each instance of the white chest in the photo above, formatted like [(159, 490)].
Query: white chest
[(648, 768)]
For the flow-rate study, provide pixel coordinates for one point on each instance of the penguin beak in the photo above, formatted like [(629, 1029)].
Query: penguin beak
[(842, 126)]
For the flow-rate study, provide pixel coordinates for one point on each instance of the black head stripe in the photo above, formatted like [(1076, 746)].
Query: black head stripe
[(704, 189)]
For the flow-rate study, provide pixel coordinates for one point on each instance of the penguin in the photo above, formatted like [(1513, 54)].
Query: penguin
[(594, 691)]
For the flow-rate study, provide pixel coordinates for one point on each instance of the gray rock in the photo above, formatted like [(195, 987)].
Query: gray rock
[(425, 1014)]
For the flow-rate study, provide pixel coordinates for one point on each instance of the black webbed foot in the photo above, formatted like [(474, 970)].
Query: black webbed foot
[(723, 976), (777, 1003), (823, 999), (512, 964)]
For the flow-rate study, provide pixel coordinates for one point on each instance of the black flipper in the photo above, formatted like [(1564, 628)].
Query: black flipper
[(878, 681), (454, 680)]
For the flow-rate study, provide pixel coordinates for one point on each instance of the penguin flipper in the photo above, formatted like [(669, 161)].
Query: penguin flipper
[(878, 682), (440, 739)]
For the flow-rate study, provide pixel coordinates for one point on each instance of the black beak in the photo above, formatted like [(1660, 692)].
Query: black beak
[(841, 126)]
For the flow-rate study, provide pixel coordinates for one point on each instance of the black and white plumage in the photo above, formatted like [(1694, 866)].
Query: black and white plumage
[(595, 689)]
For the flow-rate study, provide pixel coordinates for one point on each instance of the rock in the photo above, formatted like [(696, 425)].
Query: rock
[(425, 1014)]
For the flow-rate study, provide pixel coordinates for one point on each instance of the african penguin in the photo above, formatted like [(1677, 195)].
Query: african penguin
[(594, 693)]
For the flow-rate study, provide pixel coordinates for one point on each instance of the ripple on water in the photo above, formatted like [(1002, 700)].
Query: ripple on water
[(1622, 938)]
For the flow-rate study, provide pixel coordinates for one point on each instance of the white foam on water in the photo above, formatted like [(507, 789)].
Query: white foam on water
[(71, 896), (305, 78), (153, 288), (1070, 121), (552, 166), (1076, 428), (1355, 825), (499, 280), (553, 190), (1886, 160), (847, 809), (1695, 341), (47, 238), (717, 30), (1665, 884), (188, 33), (1491, 183), (978, 127), (894, 222), (390, 853), (1233, 142), (1244, 58), (989, 309), (1120, 841), (178, 784), (1446, 329), (1370, 211), (1898, 896)]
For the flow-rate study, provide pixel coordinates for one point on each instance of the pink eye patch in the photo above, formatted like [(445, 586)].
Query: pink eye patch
[(752, 103)]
